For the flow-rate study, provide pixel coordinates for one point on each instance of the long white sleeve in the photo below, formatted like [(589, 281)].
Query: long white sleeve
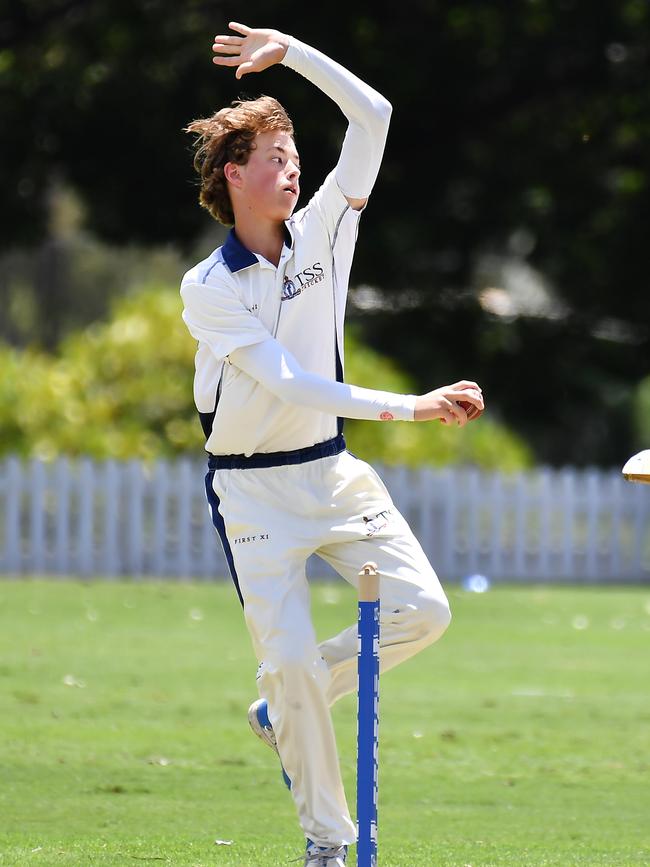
[(274, 367), (367, 111)]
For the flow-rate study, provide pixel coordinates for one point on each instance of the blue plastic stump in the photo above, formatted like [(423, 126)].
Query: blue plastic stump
[(368, 717)]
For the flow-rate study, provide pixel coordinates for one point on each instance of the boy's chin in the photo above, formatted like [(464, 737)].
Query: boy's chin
[(283, 216), (287, 208)]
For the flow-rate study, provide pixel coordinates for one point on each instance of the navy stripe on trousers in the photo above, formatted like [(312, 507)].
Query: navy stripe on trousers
[(217, 520)]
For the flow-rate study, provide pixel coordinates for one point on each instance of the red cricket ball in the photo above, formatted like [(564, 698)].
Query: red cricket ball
[(472, 411)]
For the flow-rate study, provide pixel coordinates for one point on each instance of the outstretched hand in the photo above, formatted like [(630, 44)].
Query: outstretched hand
[(253, 51)]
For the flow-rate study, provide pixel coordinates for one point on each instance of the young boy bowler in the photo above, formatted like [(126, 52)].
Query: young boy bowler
[(267, 309)]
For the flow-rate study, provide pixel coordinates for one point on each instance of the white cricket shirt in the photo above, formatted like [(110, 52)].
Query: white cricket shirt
[(236, 298)]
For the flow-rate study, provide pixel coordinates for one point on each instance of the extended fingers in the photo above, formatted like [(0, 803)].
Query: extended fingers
[(239, 28), (222, 39), (226, 49), (225, 45), (226, 61)]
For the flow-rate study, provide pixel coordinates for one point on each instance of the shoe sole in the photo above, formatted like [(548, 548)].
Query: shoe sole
[(266, 736), (258, 729)]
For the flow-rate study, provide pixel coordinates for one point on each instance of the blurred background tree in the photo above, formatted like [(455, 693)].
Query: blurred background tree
[(123, 388), (505, 240)]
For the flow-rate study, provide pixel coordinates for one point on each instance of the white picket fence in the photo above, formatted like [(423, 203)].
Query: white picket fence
[(108, 519)]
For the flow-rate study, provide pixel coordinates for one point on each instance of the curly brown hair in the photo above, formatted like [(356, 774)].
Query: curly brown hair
[(228, 137)]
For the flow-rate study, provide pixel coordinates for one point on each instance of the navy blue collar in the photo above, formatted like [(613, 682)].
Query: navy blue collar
[(237, 257)]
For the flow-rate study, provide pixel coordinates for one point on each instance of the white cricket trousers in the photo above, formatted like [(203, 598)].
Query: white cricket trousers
[(270, 520)]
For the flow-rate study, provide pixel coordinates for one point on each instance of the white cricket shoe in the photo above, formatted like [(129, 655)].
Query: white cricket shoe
[(325, 856), (258, 719)]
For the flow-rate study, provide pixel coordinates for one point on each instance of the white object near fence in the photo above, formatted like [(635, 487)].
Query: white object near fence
[(107, 518)]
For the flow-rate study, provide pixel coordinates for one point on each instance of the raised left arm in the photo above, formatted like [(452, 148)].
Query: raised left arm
[(367, 111)]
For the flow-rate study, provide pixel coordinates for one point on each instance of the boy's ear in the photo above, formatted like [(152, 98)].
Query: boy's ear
[(232, 173)]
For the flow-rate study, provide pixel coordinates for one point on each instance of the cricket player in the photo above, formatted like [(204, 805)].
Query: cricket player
[(267, 309)]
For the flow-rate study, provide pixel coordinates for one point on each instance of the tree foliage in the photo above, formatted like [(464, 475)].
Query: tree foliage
[(642, 413), (124, 388)]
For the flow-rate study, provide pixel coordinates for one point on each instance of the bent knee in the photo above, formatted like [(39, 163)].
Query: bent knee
[(433, 616), (438, 616)]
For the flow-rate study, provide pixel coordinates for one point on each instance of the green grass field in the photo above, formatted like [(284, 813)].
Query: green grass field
[(522, 738)]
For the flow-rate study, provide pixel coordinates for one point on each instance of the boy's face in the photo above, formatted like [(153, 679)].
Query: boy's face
[(269, 180)]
